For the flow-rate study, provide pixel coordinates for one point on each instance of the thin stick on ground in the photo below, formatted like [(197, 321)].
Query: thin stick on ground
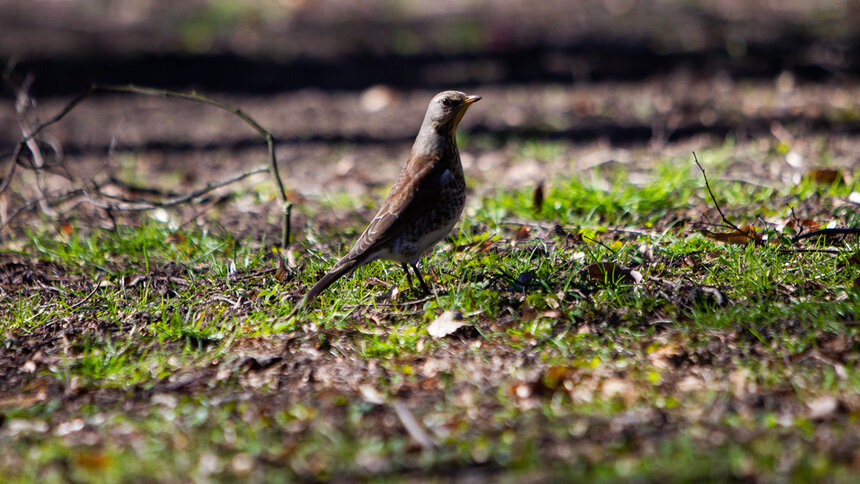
[(286, 206), (825, 232), (149, 204), (68, 195), (814, 251), (708, 187)]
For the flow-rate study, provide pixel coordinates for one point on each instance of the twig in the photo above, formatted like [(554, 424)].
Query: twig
[(286, 206), (413, 428), (82, 301), (61, 197), (745, 182), (23, 101), (819, 251), (717, 205), (7, 180), (185, 198), (824, 232), (614, 252), (405, 303)]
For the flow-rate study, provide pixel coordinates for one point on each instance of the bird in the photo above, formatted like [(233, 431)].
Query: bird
[(424, 203)]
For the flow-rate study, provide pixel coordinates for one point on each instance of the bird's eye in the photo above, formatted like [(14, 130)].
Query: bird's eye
[(447, 102)]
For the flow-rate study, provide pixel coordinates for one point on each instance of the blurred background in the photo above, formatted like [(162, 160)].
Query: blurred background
[(566, 84), (267, 46)]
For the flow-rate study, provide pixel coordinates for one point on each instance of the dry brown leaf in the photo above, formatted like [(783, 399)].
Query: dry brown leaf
[(555, 376), (606, 272), (475, 246), (485, 245), (522, 233), (662, 356), (93, 461), (537, 197), (282, 273), (744, 235), (175, 238), (528, 312), (802, 225), (826, 176)]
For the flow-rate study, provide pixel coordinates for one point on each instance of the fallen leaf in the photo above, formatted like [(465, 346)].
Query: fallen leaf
[(16, 427), (371, 394), (175, 238), (744, 235), (554, 377), (522, 233), (610, 272), (663, 355), (93, 461), (485, 245), (690, 383), (70, 427), (822, 407), (826, 176), (447, 323), (282, 273), (617, 387), (537, 197), (802, 225)]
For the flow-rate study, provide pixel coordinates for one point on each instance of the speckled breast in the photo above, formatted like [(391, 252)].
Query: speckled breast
[(432, 226)]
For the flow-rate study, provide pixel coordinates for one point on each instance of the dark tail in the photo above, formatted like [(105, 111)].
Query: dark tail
[(339, 270)]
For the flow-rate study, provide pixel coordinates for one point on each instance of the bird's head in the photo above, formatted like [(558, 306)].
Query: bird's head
[(447, 108)]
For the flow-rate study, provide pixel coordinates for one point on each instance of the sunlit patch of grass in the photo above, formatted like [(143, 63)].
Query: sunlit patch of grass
[(591, 199), (134, 248), (620, 350)]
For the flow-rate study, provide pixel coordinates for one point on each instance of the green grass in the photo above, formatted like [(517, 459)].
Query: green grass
[(562, 375)]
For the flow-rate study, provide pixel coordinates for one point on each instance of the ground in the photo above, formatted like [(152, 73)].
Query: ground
[(586, 324)]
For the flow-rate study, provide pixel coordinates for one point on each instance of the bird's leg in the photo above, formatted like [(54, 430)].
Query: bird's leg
[(424, 286), (408, 277)]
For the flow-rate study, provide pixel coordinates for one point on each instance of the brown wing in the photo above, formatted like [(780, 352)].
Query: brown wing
[(417, 187), (415, 191)]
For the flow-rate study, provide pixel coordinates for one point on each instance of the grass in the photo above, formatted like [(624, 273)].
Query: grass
[(167, 351)]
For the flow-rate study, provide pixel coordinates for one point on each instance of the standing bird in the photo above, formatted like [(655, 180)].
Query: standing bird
[(424, 203)]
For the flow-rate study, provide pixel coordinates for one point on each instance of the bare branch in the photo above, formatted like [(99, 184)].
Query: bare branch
[(286, 206), (149, 204), (45, 198)]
